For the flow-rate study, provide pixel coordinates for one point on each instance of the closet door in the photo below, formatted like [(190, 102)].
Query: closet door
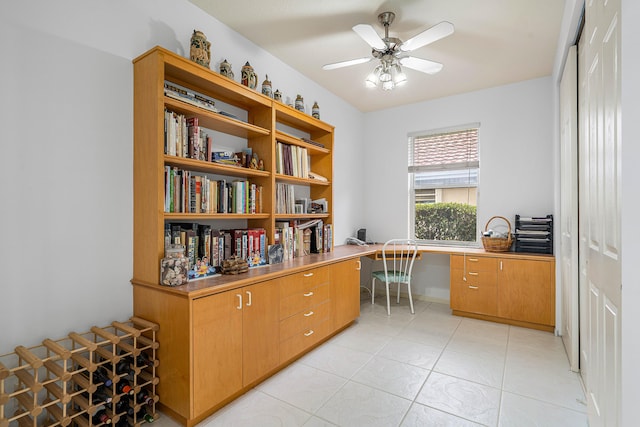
[(569, 206), (600, 211)]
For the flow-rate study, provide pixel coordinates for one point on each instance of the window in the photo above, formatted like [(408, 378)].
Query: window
[(443, 178)]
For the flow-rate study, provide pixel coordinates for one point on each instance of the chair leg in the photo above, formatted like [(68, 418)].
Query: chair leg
[(410, 298), (388, 303), (398, 296), (373, 289)]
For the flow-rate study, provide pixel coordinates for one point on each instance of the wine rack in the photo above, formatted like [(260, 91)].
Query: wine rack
[(104, 376)]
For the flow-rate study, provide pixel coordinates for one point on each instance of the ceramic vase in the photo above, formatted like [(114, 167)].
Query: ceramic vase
[(249, 77), (225, 69)]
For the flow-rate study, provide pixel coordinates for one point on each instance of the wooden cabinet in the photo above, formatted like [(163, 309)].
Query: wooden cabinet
[(305, 311), (217, 336), (517, 289), (526, 291), (473, 283), (345, 295)]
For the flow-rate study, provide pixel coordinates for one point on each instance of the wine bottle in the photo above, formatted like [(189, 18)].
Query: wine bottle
[(142, 360), (124, 387), (101, 417), (145, 398), (100, 376), (124, 367), (143, 415), (101, 396)]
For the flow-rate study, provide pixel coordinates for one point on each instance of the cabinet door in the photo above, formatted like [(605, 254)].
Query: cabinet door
[(526, 291), (261, 330), (345, 282), (217, 349)]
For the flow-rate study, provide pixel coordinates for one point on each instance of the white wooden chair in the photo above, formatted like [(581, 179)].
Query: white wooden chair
[(398, 256)]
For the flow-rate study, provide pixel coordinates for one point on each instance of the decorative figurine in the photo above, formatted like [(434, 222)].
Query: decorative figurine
[(249, 77), (277, 95), (225, 69), (315, 110), (260, 165), (299, 103), (200, 52), (266, 87)]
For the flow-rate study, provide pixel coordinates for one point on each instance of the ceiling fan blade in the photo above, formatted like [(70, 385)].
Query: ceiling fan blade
[(369, 35), (346, 63), (422, 65), (430, 35)]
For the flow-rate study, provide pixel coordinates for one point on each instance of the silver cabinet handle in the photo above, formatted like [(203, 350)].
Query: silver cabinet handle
[(239, 307), (473, 259), (473, 287), (249, 295), (308, 334), (359, 265), (473, 273), (308, 314), (308, 294), (308, 274)]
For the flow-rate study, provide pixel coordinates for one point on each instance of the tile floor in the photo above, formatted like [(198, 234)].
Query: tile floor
[(427, 369)]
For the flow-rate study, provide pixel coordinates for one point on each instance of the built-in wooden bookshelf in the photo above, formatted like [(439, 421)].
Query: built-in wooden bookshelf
[(267, 123)]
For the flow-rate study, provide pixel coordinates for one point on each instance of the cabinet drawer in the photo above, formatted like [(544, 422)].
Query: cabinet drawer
[(474, 263), (303, 300), (474, 298), (303, 282), (304, 320), (478, 278), (303, 340)]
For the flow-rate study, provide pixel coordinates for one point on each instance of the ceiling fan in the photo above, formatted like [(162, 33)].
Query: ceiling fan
[(392, 52)]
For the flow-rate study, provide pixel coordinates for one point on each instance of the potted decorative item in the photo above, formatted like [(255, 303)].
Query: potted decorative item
[(225, 69), (266, 87), (249, 77), (299, 103), (277, 95), (200, 51), (315, 110)]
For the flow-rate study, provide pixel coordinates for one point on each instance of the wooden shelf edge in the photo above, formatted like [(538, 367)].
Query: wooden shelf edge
[(289, 115), (290, 139), (193, 216), (297, 180), (213, 168)]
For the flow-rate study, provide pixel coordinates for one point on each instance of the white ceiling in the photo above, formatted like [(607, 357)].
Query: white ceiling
[(496, 42)]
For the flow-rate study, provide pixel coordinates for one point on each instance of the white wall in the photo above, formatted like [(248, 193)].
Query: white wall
[(67, 143), (516, 161)]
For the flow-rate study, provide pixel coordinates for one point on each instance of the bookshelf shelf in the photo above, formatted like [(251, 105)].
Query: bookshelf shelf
[(261, 119), (216, 121), (214, 168), (296, 180)]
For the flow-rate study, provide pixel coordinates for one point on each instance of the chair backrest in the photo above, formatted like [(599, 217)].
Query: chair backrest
[(401, 253)]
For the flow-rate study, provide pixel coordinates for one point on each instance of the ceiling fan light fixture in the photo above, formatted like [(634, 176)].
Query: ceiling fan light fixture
[(388, 85), (399, 77)]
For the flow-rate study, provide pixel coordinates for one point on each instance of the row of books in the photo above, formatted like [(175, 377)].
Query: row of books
[(183, 137), (292, 160), (187, 192), (189, 96), (303, 238), (206, 247)]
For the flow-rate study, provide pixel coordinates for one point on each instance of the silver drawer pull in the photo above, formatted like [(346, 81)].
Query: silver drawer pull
[(473, 287), (308, 294), (473, 273), (308, 334), (472, 259), (308, 274), (308, 314)]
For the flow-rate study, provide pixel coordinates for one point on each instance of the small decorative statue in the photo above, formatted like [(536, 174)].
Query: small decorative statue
[(200, 49), (299, 103), (266, 87), (315, 110), (249, 77), (225, 69), (277, 95)]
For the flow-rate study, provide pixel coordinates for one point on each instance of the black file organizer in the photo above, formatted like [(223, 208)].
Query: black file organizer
[(534, 234)]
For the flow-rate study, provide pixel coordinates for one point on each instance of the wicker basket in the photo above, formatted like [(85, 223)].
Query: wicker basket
[(497, 244)]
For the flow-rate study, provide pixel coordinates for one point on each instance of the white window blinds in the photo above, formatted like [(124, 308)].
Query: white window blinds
[(444, 149)]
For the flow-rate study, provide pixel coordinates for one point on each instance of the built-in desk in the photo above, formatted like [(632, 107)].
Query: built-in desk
[(506, 287)]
